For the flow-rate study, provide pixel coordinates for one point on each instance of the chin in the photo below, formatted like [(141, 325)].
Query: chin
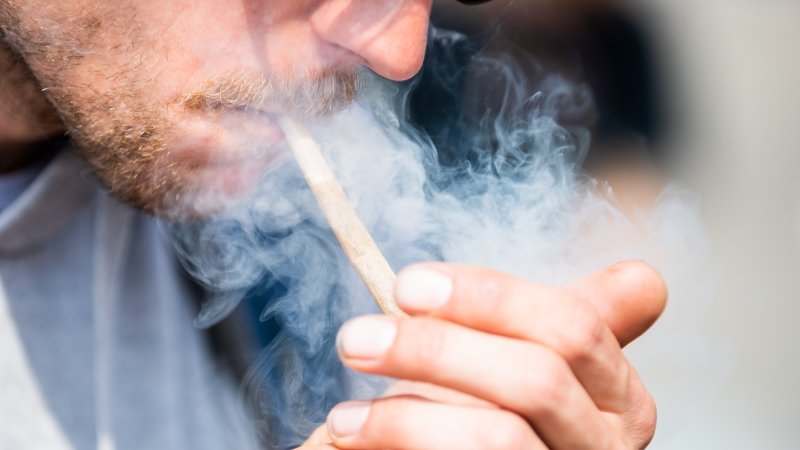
[(211, 162), (209, 189)]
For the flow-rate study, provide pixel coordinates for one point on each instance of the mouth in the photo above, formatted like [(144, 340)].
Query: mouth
[(224, 153), (227, 137)]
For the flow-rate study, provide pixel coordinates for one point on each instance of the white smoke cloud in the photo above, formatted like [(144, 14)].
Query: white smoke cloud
[(515, 200)]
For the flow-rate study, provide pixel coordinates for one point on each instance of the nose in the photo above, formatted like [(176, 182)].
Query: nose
[(388, 35)]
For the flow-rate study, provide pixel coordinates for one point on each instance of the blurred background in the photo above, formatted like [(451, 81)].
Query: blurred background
[(706, 92)]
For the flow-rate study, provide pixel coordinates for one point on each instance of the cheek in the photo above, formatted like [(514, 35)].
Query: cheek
[(152, 53)]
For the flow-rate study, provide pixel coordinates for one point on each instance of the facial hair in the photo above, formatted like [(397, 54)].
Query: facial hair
[(129, 150), (127, 141)]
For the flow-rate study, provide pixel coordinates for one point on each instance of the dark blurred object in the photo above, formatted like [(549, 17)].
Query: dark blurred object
[(588, 43)]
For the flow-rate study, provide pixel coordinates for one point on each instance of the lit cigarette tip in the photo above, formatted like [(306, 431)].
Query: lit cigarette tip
[(355, 240)]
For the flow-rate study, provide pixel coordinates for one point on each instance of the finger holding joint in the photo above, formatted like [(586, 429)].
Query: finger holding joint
[(413, 423), (399, 347), (504, 305), (520, 376)]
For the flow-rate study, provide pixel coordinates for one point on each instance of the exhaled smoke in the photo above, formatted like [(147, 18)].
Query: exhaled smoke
[(504, 190)]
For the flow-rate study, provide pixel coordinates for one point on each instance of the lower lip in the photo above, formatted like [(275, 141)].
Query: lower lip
[(229, 137)]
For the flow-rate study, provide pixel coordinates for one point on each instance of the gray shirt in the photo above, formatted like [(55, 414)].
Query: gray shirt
[(97, 347)]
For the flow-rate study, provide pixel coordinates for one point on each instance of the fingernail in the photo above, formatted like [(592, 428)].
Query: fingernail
[(422, 289), (366, 337), (347, 418)]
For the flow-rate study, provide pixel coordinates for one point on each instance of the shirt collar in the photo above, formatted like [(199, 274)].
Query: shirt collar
[(55, 198)]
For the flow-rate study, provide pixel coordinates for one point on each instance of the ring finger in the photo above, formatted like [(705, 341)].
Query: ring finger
[(413, 423)]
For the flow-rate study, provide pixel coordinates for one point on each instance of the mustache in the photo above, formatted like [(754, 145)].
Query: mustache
[(307, 97)]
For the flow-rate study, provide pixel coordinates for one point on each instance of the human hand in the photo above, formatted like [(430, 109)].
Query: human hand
[(512, 364)]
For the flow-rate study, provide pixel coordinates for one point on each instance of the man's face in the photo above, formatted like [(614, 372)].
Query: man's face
[(173, 103)]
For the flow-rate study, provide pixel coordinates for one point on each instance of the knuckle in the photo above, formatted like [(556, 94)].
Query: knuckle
[(638, 423), (508, 432), (645, 423), (584, 334), (548, 385), (625, 375), (650, 417)]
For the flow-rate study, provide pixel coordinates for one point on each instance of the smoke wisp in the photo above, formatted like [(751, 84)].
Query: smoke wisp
[(508, 193)]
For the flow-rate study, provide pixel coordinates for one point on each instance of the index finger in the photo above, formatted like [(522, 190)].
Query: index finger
[(501, 304), (628, 296)]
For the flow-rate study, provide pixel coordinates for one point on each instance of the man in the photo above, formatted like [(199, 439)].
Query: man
[(173, 106)]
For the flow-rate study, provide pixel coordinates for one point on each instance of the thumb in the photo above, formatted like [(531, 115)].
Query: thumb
[(630, 296)]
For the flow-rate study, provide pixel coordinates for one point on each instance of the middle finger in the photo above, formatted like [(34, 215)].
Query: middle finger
[(524, 377)]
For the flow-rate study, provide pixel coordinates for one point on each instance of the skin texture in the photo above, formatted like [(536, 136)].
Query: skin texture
[(505, 364), (173, 105)]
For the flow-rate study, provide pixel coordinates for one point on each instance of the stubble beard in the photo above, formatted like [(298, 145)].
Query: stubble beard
[(132, 155), (127, 142)]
